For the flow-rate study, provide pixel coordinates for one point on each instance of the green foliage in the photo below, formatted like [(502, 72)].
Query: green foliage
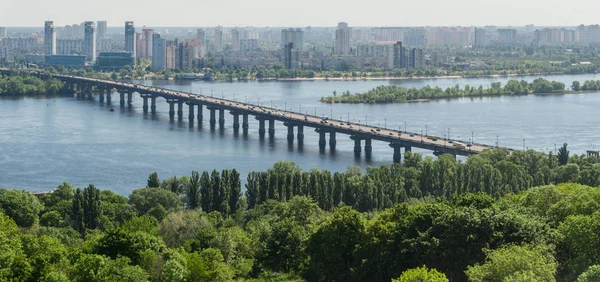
[(143, 200), (509, 262), (153, 181), (96, 268), (421, 274), (563, 155), (23, 84), (208, 266), (21, 206), (590, 275)]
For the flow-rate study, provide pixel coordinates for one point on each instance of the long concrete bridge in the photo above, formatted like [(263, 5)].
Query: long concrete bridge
[(295, 122)]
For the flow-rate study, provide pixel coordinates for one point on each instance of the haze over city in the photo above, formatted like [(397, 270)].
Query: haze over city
[(308, 12)]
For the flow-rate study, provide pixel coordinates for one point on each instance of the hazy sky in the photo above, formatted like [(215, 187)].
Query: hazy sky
[(302, 12)]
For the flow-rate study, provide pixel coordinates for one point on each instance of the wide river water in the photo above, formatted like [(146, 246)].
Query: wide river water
[(44, 142)]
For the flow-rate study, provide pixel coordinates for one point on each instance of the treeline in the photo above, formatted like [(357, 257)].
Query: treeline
[(161, 233), (24, 84), (399, 94)]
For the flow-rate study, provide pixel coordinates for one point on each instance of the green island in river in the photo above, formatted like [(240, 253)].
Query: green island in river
[(398, 94)]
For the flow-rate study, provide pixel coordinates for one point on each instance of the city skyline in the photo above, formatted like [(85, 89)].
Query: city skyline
[(180, 13)]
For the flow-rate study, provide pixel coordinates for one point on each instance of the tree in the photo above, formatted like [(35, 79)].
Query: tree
[(97, 268), (512, 260), (235, 191), (143, 200), (21, 206), (332, 247), (421, 274), (92, 207), (592, 274), (576, 86), (208, 266), (563, 155), (193, 192), (153, 181), (179, 227), (205, 192)]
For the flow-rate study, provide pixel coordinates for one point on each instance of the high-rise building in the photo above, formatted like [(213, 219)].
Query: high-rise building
[(146, 43), (185, 55), (102, 34), (130, 38), (201, 35), (294, 35), (416, 59), (507, 36), (400, 56), (218, 39), (2, 32), (159, 52), (480, 38), (235, 40), (291, 56), (89, 41), (342, 39), (49, 39)]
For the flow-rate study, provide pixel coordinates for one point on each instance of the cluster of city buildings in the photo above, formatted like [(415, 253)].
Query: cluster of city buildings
[(96, 44)]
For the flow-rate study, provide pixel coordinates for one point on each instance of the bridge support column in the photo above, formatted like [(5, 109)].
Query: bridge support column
[(213, 119), (108, 96), (129, 99), (122, 96), (290, 133), (271, 128), (300, 134), (322, 142), (171, 109), (368, 147), (153, 104), (89, 91), (245, 125), (357, 148), (180, 110), (199, 116), (332, 141), (101, 94), (397, 155), (145, 104), (261, 128), (191, 116), (221, 118), (407, 149), (236, 122)]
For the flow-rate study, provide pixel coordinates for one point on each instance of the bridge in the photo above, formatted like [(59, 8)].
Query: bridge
[(84, 87)]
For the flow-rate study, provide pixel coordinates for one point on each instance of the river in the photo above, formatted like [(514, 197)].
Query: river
[(44, 142)]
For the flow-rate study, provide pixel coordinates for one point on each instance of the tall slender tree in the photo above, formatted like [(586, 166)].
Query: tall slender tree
[(92, 207), (153, 181), (77, 211), (236, 191), (205, 192), (563, 155), (193, 192)]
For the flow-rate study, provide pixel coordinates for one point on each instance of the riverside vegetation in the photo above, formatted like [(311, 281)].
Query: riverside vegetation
[(498, 216), (399, 94)]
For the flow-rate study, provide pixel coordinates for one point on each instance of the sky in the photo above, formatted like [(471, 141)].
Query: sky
[(284, 13)]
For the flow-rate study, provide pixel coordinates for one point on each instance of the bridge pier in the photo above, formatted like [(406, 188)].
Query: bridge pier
[(300, 134), (129, 99), (368, 147), (153, 104), (213, 119), (101, 94), (407, 149), (245, 125), (397, 155), (199, 116), (108, 96), (271, 128), (357, 147), (221, 118), (122, 100), (332, 141), (180, 110), (290, 133), (171, 108), (89, 91), (236, 122), (261, 127), (145, 103), (322, 142), (191, 116)]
